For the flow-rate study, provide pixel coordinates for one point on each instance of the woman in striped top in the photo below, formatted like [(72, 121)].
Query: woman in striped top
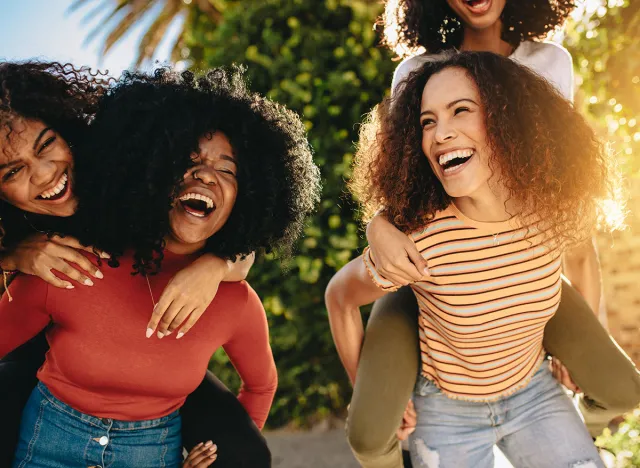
[(476, 158)]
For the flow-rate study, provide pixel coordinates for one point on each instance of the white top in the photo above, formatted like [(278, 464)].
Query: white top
[(550, 60)]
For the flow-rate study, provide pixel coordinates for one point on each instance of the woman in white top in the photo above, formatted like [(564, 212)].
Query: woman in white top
[(387, 361)]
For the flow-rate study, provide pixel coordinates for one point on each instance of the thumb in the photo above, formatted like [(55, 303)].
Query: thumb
[(417, 259)]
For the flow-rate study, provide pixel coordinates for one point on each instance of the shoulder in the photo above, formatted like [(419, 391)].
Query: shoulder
[(551, 51), (407, 66), (443, 220), (242, 299), (551, 61)]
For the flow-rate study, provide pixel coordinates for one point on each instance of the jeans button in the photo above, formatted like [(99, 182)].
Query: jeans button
[(104, 440), (106, 421)]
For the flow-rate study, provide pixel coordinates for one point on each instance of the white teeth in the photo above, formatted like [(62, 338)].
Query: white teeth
[(197, 196), (445, 158), (57, 189)]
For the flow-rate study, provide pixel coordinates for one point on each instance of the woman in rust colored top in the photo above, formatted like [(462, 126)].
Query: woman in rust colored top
[(176, 166)]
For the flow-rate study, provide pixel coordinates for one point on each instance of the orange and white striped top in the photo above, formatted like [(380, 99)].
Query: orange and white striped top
[(492, 288)]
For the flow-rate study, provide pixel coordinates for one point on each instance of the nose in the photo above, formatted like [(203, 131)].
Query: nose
[(205, 175), (43, 173), (444, 132)]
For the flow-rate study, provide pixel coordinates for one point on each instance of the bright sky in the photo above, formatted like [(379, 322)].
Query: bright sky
[(44, 29)]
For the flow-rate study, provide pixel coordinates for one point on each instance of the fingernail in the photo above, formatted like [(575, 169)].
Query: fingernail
[(426, 271), (98, 274), (215, 447), (160, 335), (88, 282), (208, 443), (105, 255), (179, 335), (168, 333), (69, 286), (214, 456), (149, 332)]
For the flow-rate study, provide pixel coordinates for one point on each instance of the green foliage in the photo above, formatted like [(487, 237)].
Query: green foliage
[(605, 44), (322, 59), (625, 443)]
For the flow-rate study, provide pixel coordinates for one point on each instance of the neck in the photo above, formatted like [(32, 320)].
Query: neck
[(486, 205), (486, 40), (175, 246)]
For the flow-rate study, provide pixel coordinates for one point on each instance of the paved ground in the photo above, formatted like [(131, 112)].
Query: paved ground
[(326, 449)]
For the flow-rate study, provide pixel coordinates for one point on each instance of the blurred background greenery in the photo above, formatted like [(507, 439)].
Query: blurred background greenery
[(322, 58)]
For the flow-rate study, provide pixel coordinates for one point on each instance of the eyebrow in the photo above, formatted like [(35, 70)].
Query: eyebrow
[(451, 104), (10, 163), (35, 143), (228, 158)]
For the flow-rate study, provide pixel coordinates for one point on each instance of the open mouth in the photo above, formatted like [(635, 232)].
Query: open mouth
[(454, 160), (197, 205), (478, 6), (58, 191)]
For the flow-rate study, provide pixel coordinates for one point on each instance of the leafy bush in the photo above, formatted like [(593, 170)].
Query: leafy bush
[(321, 59), (625, 443)]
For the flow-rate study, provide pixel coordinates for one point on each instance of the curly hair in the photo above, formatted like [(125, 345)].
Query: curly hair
[(141, 143), (63, 96), (410, 25), (550, 161)]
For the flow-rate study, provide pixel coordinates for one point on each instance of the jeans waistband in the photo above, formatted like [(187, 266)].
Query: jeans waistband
[(111, 424)]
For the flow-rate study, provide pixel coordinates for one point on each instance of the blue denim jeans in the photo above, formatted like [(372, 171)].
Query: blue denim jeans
[(536, 427), (54, 435)]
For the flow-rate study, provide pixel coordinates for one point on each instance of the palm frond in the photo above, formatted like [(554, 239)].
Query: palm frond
[(155, 33)]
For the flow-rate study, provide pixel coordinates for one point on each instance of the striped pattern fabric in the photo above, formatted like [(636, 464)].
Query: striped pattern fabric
[(492, 288)]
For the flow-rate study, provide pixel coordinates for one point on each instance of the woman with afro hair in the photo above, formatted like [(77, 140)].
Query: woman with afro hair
[(45, 109), (421, 30), (172, 167), (492, 174)]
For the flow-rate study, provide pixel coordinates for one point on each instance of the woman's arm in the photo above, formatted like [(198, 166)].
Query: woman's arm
[(25, 316), (190, 292), (250, 353), (351, 287), (398, 259), (40, 255)]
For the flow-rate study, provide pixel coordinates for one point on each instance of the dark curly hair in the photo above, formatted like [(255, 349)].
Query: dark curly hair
[(63, 96), (410, 25), (141, 143), (550, 161)]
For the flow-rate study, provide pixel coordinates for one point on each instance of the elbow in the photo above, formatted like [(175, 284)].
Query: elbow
[(334, 297)]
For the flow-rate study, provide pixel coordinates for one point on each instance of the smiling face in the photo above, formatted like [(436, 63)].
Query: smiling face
[(454, 136), (206, 197), (36, 169), (478, 14)]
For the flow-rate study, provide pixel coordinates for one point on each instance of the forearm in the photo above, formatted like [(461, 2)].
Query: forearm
[(257, 399), (348, 290), (582, 269)]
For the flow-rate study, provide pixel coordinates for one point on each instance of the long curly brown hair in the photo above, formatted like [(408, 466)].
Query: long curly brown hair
[(550, 161), (431, 24)]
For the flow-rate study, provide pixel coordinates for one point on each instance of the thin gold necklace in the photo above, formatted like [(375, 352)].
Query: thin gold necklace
[(153, 301)]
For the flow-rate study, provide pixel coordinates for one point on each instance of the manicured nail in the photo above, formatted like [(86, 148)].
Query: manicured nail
[(104, 255), (88, 282), (168, 333), (98, 274), (212, 448), (160, 335), (179, 335), (208, 443), (149, 332), (213, 457), (70, 286)]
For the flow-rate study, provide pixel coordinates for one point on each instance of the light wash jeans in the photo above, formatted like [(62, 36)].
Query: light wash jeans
[(54, 435), (536, 427)]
